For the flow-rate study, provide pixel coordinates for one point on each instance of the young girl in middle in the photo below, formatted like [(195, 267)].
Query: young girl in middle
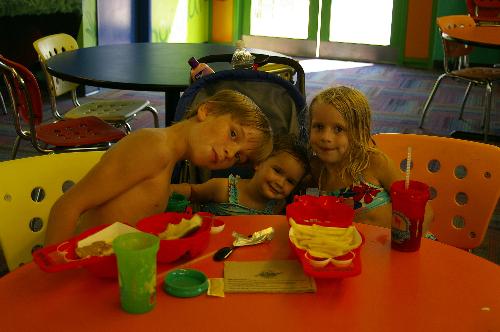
[(345, 162), (274, 180)]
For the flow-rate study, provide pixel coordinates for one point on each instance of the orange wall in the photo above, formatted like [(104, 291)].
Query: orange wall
[(222, 21), (418, 29)]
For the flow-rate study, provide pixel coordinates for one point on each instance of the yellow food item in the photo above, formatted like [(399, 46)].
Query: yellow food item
[(98, 248), (324, 242), (176, 231)]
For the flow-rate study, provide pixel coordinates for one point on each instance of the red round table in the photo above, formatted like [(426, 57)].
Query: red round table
[(438, 288)]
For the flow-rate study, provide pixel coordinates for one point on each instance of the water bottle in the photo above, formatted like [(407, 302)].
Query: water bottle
[(242, 58), (199, 69)]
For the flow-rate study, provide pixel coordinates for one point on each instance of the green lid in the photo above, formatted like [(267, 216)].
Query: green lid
[(177, 203), (185, 283)]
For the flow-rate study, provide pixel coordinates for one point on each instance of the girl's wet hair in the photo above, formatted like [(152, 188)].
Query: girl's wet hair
[(353, 105), (244, 111)]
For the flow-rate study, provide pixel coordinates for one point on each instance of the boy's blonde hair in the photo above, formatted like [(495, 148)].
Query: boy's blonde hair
[(244, 111), (353, 105)]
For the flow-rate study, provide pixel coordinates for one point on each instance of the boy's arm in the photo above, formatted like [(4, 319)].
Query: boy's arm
[(123, 166), (181, 188), (214, 190)]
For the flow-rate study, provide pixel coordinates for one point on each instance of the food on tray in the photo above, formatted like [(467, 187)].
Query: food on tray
[(107, 234), (185, 228), (98, 248), (324, 242)]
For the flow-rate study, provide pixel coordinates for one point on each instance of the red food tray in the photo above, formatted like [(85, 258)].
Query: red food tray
[(62, 256), (330, 271), (327, 211), (172, 250)]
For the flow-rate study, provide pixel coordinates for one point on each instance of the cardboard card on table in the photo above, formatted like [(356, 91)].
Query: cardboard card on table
[(279, 276)]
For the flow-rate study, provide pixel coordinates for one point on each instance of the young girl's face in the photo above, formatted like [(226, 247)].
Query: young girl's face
[(328, 137), (278, 175)]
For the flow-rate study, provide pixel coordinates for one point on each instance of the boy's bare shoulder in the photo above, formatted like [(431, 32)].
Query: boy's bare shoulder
[(145, 138), (146, 145)]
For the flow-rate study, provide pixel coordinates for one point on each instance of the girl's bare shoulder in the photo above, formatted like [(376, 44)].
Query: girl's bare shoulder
[(383, 168)]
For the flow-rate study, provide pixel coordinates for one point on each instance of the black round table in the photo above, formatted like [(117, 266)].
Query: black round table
[(137, 66)]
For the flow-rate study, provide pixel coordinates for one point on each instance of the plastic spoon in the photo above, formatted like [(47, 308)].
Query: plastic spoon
[(223, 253)]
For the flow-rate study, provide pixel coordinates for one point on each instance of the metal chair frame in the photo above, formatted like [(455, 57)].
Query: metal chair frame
[(484, 12), (456, 66), (118, 112), (104, 134)]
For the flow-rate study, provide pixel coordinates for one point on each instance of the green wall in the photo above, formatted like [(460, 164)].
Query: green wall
[(179, 21), (88, 30)]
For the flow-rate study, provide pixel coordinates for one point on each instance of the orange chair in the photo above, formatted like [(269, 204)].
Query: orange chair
[(456, 66), (463, 177), (81, 134), (484, 12)]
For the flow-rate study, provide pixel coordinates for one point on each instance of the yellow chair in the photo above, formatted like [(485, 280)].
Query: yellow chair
[(464, 181), (456, 66), (29, 187), (117, 111)]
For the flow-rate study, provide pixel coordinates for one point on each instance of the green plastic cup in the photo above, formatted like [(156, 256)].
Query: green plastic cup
[(136, 258)]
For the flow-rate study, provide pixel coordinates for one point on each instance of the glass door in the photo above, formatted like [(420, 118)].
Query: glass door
[(361, 21), (345, 29)]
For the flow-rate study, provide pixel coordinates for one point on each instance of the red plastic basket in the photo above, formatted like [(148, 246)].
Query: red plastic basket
[(328, 211), (62, 256), (330, 271), (172, 250)]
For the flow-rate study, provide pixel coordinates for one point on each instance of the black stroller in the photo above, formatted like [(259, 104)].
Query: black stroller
[(282, 100)]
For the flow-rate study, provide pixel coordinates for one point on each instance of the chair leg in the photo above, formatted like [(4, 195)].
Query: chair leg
[(466, 95), (128, 127), (154, 112), (431, 96), (15, 147), (2, 103), (487, 109)]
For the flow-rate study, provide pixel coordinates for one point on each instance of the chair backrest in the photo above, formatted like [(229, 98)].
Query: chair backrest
[(24, 92), (283, 104), (455, 53), (464, 181), (46, 48), (29, 187), (278, 65), (485, 12)]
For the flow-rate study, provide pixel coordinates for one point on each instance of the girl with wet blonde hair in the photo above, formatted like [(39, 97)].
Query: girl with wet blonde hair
[(345, 161)]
